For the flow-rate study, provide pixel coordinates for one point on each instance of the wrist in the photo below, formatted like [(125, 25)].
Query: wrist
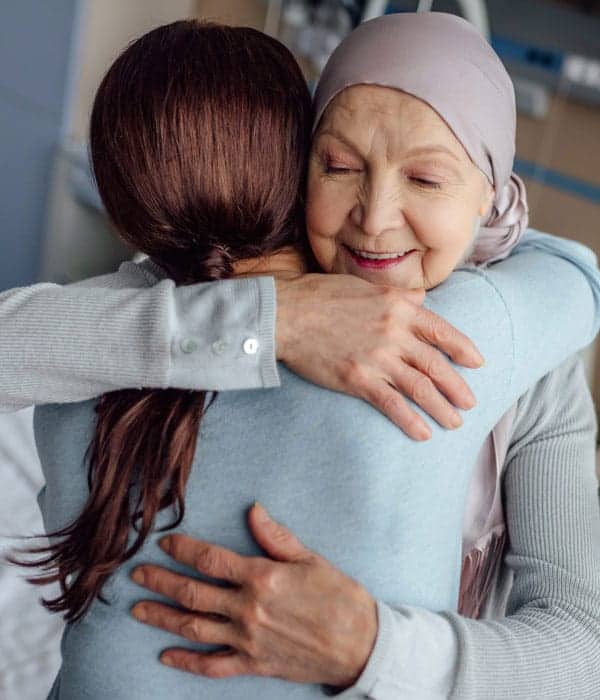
[(364, 642), (284, 321)]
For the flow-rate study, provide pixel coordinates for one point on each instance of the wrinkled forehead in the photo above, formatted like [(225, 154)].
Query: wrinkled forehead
[(443, 61), (363, 115)]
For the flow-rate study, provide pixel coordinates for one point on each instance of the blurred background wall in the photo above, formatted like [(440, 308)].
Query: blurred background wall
[(35, 88)]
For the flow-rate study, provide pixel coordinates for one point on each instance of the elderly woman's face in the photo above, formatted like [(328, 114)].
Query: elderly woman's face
[(392, 195)]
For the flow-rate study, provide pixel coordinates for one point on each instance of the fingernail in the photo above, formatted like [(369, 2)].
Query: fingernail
[(479, 359), (139, 576), (167, 660), (139, 613), (165, 544), (456, 421), (423, 432), (469, 402), (261, 514)]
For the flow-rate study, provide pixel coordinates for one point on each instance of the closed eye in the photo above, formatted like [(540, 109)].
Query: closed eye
[(426, 183), (338, 169)]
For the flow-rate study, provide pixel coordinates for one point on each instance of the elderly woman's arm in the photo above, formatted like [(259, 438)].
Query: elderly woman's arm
[(548, 645)]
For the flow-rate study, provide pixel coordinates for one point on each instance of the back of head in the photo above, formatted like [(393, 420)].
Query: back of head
[(199, 141), (199, 134)]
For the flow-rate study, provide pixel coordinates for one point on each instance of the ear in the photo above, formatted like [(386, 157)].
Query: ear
[(488, 199)]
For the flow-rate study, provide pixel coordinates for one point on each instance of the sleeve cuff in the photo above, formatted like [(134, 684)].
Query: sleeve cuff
[(371, 672), (223, 335)]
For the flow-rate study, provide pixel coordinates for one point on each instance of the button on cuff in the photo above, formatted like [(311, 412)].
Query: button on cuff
[(188, 345), (220, 346), (251, 346)]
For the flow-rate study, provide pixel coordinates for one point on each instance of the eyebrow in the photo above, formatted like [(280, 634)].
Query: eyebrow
[(340, 137), (417, 151), (434, 148)]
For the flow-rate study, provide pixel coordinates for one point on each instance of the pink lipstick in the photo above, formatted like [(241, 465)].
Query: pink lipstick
[(377, 261)]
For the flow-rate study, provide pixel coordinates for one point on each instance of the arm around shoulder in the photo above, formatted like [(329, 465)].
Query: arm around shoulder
[(70, 343)]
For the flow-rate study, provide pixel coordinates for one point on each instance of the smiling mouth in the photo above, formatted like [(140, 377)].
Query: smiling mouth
[(368, 255), (367, 258)]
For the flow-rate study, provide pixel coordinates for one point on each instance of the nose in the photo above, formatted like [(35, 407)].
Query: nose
[(379, 208)]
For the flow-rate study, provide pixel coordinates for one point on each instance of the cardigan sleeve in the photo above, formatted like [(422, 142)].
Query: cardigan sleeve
[(547, 644), (70, 343)]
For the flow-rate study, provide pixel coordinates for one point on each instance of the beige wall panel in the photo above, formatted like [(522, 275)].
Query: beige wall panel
[(564, 214), (573, 217), (567, 140), (246, 13), (107, 27)]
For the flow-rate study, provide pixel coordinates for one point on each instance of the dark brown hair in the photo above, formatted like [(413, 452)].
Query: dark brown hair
[(199, 136)]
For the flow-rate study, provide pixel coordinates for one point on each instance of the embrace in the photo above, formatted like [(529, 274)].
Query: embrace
[(294, 541)]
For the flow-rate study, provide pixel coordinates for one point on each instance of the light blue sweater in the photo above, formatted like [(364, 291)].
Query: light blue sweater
[(386, 510)]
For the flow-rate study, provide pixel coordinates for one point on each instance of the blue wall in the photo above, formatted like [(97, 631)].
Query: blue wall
[(35, 42)]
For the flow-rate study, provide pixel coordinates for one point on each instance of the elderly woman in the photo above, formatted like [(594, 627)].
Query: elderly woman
[(381, 538)]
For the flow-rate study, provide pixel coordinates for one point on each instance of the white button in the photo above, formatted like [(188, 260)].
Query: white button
[(188, 345), (220, 346), (251, 346)]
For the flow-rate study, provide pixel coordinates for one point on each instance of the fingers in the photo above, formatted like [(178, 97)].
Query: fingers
[(425, 394), (389, 401), (435, 330), (219, 664), (207, 558), (277, 541), (435, 365), (193, 626), (188, 592)]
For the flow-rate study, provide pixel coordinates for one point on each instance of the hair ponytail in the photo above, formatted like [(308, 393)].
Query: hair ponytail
[(199, 138), (134, 473)]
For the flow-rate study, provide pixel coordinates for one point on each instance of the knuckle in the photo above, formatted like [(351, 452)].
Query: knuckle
[(441, 332), (251, 649), (186, 663), (386, 324), (252, 617), (351, 372), (206, 558), (191, 629), (188, 595), (378, 355), (281, 535), (436, 369), (421, 388), (212, 668), (267, 580), (388, 294), (386, 399)]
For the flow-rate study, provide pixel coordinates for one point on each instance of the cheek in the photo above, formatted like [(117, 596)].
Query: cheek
[(325, 216), (447, 233)]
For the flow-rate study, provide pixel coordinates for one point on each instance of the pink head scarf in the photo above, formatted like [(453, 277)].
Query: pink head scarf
[(442, 60)]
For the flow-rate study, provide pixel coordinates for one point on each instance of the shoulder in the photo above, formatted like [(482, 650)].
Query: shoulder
[(62, 428), (139, 274)]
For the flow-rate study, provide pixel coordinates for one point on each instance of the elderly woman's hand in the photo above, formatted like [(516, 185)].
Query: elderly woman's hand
[(294, 616), (377, 343)]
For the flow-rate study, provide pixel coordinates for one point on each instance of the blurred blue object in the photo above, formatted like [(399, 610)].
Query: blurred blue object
[(35, 47)]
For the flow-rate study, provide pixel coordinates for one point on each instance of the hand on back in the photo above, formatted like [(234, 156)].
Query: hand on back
[(377, 343)]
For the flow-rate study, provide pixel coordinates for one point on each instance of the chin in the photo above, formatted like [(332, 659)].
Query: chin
[(390, 279)]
